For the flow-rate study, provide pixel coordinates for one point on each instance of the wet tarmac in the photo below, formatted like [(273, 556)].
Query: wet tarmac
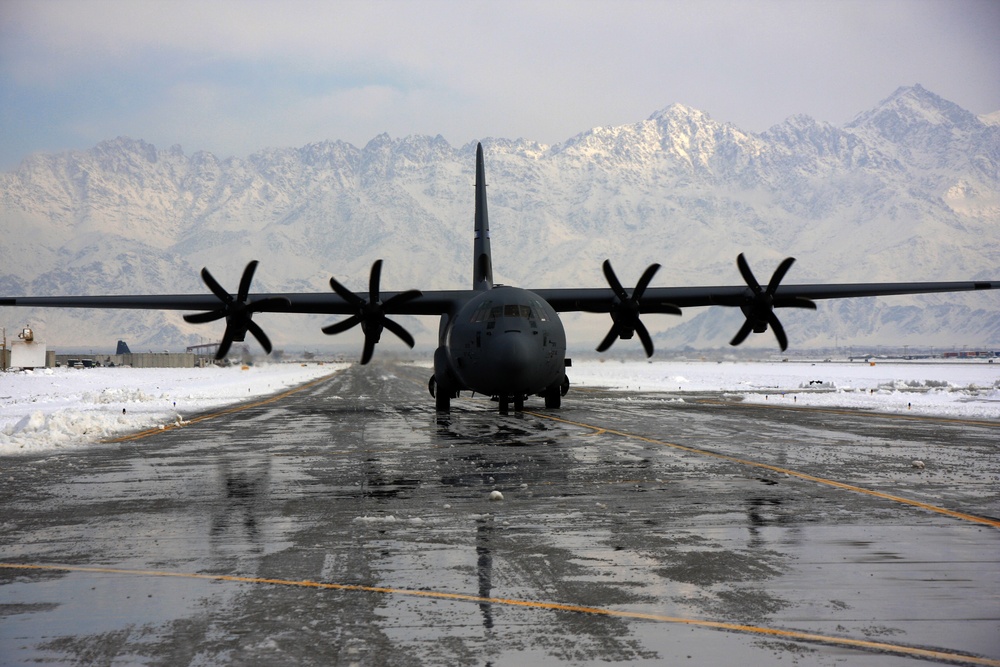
[(348, 523)]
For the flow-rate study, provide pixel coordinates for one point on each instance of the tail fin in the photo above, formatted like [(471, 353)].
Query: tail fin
[(482, 270)]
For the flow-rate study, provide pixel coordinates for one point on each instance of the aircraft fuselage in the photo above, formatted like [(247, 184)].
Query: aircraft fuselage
[(505, 342)]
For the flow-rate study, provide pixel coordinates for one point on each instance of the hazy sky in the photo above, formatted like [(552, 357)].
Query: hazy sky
[(234, 77)]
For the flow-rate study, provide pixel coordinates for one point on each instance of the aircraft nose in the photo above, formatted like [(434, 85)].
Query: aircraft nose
[(514, 359)]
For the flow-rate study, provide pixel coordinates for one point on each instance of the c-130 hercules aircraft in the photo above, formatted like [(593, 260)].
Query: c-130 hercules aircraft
[(500, 341)]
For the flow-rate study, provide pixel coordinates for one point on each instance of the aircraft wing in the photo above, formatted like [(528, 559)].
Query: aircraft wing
[(601, 300), (372, 308), (591, 300), (367, 309), (757, 302), (428, 303)]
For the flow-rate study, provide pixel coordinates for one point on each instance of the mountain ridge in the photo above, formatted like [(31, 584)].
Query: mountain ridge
[(906, 191)]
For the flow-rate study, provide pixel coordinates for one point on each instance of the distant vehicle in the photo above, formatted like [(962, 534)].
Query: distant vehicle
[(500, 341)]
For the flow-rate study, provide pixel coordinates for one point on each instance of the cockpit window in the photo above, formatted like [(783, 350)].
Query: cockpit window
[(487, 312), (538, 311), (517, 310), (482, 312)]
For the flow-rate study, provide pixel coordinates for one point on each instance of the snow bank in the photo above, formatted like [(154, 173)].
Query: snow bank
[(61, 408), (64, 407), (969, 390)]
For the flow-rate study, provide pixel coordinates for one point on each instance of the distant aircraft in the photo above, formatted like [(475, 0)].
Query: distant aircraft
[(500, 341)]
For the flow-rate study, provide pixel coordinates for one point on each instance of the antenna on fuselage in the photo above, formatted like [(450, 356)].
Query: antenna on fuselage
[(482, 270)]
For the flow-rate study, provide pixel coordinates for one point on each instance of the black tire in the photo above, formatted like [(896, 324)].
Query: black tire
[(442, 401), (553, 399)]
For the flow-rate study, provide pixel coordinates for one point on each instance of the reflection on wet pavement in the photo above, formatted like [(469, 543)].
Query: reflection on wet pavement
[(604, 548)]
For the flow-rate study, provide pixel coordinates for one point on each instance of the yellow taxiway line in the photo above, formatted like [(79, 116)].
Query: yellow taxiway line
[(793, 635), (851, 413), (766, 466)]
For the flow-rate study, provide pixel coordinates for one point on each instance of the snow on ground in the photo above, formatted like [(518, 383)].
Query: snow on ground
[(55, 408), (968, 390)]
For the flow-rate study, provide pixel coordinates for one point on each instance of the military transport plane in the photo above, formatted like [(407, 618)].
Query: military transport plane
[(500, 341)]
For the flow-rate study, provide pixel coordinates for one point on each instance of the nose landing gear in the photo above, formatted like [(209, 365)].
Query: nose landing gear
[(505, 400)]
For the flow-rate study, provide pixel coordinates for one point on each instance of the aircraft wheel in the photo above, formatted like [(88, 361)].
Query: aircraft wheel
[(518, 404), (442, 401), (504, 402), (553, 398)]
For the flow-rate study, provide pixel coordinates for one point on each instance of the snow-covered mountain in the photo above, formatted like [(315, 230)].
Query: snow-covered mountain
[(909, 190)]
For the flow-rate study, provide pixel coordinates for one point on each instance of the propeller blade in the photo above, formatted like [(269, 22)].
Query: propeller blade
[(608, 340), (237, 311), (644, 281), (248, 272), (748, 277), (259, 334), (371, 314), (759, 310), (341, 327), (647, 342), (742, 334), (227, 342), (202, 318), (795, 302), (779, 331), (366, 354), (216, 288), (402, 297), (663, 309), (402, 333), (779, 274), (271, 303), (625, 311), (346, 294), (612, 279), (373, 281)]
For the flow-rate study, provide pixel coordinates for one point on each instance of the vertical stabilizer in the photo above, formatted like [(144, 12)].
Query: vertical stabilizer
[(482, 270)]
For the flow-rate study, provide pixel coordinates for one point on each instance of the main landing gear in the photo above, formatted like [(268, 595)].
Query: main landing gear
[(442, 397), (553, 397)]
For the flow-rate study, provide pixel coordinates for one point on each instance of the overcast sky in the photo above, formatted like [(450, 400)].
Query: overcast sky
[(234, 77)]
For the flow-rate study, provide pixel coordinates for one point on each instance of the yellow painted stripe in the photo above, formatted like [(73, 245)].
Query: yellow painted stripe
[(228, 411), (786, 471), (794, 635), (853, 413)]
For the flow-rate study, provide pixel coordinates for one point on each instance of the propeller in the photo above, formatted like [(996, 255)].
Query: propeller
[(371, 313), (237, 311), (625, 309), (759, 310)]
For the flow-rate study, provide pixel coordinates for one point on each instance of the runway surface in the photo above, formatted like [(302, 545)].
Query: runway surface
[(348, 523)]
